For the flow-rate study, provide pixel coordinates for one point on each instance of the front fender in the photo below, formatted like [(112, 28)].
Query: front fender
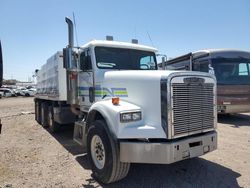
[(111, 114)]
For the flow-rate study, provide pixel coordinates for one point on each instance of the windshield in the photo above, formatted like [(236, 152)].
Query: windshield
[(124, 59), (232, 71)]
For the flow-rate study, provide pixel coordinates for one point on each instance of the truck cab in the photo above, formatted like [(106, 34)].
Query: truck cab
[(97, 58)]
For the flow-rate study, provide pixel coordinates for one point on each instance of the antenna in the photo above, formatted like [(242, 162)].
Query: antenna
[(150, 39), (135, 32), (75, 29)]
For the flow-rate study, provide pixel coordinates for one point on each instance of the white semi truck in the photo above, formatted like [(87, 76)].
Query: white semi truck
[(123, 110)]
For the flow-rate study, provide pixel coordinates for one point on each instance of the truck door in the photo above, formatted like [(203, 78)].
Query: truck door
[(86, 82)]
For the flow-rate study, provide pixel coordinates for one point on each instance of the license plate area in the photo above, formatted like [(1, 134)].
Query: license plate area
[(195, 144)]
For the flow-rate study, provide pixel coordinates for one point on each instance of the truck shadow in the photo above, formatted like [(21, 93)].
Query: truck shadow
[(65, 137), (236, 120), (196, 172)]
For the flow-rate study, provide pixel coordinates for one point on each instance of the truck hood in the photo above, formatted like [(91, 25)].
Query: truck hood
[(140, 75), (143, 89), (140, 88), (146, 75)]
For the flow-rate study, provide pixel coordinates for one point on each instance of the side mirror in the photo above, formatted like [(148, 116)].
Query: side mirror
[(70, 58), (163, 63), (66, 57), (164, 59), (85, 62)]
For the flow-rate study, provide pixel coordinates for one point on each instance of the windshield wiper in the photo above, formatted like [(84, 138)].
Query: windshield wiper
[(109, 65)]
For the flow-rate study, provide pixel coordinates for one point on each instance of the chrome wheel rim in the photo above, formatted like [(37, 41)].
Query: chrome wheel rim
[(97, 152)]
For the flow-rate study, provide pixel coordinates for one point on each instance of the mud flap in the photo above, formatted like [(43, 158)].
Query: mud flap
[(80, 134)]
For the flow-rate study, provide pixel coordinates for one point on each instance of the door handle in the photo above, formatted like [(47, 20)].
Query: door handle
[(91, 94)]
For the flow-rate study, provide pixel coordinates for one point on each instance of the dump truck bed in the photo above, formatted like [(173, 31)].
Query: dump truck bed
[(51, 79)]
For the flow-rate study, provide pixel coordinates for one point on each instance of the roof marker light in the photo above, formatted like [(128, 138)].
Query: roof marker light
[(109, 38), (135, 41)]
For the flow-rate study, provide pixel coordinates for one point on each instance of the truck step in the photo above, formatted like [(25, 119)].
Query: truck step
[(79, 133)]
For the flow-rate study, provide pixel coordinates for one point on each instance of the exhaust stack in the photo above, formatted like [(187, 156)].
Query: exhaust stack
[(70, 32), (70, 64)]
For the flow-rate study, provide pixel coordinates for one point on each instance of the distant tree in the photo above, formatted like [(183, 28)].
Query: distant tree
[(9, 82)]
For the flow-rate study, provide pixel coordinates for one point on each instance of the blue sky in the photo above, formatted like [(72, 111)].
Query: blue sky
[(33, 30)]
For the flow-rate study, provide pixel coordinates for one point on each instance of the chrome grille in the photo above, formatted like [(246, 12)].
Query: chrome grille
[(193, 107)]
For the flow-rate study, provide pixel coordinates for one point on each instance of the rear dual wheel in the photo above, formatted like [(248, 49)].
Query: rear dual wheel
[(38, 111), (53, 126), (47, 118), (44, 114)]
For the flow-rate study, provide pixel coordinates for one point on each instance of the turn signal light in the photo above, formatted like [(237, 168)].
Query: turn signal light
[(115, 100)]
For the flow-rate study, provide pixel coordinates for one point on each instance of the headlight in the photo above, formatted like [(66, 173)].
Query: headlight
[(130, 116)]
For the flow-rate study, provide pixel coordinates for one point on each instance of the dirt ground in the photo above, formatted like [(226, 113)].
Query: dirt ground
[(31, 157)]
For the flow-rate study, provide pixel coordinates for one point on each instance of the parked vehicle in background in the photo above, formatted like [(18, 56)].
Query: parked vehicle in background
[(7, 92), (232, 70), (30, 92), (18, 92), (26, 92), (124, 110)]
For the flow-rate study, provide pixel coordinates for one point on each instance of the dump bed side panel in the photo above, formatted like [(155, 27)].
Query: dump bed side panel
[(51, 79)]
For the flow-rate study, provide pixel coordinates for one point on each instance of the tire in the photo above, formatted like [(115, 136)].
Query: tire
[(103, 154), (44, 114), (39, 118), (53, 126), (37, 110)]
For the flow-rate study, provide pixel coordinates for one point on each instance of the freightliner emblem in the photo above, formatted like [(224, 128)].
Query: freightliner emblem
[(194, 80)]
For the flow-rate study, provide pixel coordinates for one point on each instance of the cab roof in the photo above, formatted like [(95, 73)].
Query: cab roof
[(117, 44)]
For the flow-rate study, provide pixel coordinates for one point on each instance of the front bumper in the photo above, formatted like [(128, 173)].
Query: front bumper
[(168, 152)]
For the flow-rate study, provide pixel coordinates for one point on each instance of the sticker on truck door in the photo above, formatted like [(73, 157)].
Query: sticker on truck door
[(100, 92)]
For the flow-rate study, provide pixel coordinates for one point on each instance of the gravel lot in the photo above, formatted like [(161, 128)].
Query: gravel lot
[(32, 157)]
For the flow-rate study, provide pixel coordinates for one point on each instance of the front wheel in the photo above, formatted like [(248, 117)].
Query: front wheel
[(104, 155)]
